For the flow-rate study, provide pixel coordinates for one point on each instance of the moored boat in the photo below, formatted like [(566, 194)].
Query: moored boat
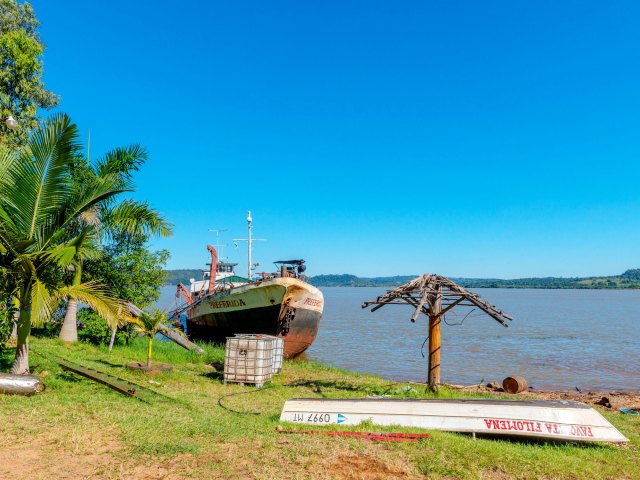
[(547, 419), (286, 307), (282, 303)]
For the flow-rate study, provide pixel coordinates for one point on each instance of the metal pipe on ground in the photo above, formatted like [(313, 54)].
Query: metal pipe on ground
[(20, 384)]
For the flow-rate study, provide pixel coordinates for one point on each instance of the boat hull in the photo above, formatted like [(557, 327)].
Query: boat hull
[(557, 420), (286, 307)]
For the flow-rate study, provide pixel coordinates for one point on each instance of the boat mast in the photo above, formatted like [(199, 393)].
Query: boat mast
[(219, 245), (249, 268), (249, 241)]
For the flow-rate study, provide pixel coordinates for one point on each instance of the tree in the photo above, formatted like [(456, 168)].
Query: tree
[(6, 321), (135, 273), (132, 221), (22, 91), (149, 324), (37, 204)]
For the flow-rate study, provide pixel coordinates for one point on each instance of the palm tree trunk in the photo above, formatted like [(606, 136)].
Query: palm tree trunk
[(113, 338), (16, 316), (149, 353), (14, 331), (21, 361), (69, 331)]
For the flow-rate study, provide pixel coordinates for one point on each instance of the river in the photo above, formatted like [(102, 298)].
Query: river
[(558, 340)]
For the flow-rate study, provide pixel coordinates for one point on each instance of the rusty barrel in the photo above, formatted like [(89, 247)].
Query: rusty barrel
[(515, 384)]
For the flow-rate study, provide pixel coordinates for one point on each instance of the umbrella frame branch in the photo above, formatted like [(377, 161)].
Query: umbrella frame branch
[(435, 296)]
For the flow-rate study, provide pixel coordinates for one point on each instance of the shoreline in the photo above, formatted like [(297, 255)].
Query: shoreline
[(611, 400)]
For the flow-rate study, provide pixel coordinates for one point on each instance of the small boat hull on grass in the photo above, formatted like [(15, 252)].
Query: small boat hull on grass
[(544, 419)]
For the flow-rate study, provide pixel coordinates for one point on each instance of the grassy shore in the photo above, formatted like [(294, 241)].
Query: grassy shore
[(80, 429)]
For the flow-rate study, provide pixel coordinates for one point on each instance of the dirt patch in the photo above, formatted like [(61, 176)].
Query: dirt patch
[(361, 467), (495, 473), (45, 457), (42, 458), (154, 369)]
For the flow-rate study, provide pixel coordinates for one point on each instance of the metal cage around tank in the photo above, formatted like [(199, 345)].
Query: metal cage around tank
[(249, 359)]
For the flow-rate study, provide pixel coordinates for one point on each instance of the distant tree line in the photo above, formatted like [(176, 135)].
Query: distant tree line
[(173, 277), (628, 279)]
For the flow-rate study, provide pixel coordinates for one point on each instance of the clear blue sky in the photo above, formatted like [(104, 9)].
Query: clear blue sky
[(479, 139)]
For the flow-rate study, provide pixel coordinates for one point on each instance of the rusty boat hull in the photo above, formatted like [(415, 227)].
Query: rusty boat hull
[(287, 307)]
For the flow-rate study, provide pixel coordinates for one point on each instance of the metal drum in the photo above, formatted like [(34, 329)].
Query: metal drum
[(20, 384), (515, 384)]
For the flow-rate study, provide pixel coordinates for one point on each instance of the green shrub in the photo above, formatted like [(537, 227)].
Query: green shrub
[(93, 329), (6, 323), (50, 329)]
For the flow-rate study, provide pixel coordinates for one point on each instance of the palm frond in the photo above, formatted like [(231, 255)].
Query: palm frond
[(81, 247), (122, 161), (43, 304), (7, 157), (96, 296), (124, 316), (137, 219), (38, 182), (8, 238), (149, 323), (94, 193)]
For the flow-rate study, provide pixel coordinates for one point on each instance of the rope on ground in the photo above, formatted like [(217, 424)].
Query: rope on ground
[(242, 393)]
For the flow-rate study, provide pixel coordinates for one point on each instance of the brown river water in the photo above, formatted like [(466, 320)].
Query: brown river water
[(558, 340)]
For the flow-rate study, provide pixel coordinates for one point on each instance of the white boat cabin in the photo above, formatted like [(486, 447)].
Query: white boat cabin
[(224, 271)]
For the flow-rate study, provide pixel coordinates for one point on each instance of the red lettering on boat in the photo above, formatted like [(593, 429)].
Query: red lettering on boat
[(227, 303), (313, 301), (581, 431)]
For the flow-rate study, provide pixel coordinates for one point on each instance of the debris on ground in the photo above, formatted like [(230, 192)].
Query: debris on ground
[(604, 401)]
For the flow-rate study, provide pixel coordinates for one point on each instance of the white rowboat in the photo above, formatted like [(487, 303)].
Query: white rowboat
[(547, 419)]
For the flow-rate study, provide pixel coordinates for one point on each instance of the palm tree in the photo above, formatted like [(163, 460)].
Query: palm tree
[(86, 248), (38, 202), (109, 218), (150, 324)]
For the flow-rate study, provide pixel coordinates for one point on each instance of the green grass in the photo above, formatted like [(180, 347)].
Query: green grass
[(189, 435)]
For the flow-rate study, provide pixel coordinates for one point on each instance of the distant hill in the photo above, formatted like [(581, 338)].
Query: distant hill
[(629, 279), (183, 275), (353, 281)]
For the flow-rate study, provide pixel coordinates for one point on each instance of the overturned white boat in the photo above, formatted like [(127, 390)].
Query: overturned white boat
[(547, 419)]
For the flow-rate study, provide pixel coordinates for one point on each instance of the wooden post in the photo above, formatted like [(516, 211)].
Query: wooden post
[(434, 339)]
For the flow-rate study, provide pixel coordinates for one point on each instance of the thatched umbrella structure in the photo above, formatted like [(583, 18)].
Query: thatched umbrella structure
[(434, 296)]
